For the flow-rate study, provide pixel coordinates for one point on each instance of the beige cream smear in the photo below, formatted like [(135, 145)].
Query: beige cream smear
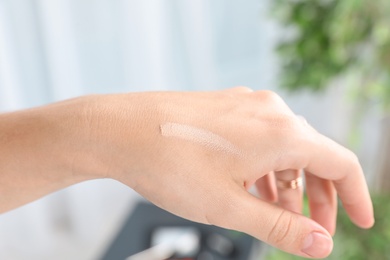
[(198, 135)]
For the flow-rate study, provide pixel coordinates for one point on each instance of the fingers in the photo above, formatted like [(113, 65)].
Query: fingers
[(330, 161), (289, 198), (266, 188), (322, 201), (278, 227)]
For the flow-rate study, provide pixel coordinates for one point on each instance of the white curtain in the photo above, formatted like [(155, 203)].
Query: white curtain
[(57, 49)]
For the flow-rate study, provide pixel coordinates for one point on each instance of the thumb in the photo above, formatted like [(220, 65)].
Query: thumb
[(288, 231)]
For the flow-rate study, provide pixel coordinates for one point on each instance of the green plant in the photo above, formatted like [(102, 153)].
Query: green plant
[(329, 39), (346, 41)]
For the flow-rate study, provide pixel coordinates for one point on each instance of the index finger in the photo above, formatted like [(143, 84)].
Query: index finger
[(331, 161)]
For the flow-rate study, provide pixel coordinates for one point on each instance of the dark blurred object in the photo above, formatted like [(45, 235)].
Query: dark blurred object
[(215, 243), (346, 41), (353, 243)]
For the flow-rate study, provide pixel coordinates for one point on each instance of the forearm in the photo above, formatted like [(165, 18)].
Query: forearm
[(39, 152), (51, 147)]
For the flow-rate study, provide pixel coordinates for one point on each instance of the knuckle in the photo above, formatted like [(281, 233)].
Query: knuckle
[(355, 163), (281, 117), (243, 89), (269, 96), (354, 158), (282, 232)]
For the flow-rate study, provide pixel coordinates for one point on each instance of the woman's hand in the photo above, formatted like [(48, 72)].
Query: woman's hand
[(196, 154)]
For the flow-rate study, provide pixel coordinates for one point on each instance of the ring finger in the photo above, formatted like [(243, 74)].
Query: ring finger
[(290, 191)]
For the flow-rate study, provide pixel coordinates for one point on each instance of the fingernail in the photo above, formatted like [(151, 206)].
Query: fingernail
[(317, 244)]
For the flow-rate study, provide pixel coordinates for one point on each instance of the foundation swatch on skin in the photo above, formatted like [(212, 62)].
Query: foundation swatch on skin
[(198, 135)]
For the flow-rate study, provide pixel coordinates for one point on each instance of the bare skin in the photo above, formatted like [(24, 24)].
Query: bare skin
[(119, 136)]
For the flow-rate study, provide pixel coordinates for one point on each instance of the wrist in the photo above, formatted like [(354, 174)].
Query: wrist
[(63, 135), (51, 147), (36, 151)]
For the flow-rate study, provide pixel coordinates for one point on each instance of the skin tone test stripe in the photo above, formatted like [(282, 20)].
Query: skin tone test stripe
[(198, 135)]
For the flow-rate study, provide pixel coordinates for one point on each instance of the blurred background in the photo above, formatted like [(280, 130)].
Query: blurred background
[(329, 60)]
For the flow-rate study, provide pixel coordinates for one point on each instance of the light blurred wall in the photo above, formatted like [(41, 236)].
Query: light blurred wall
[(57, 49)]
